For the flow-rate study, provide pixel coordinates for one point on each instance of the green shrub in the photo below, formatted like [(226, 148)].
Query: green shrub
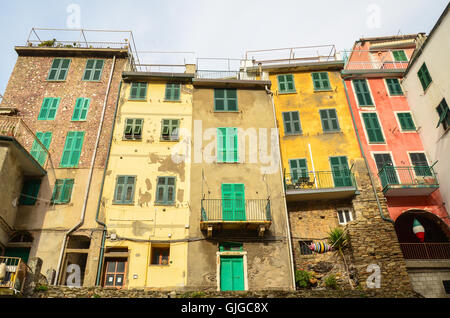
[(302, 278), (39, 288), (331, 282)]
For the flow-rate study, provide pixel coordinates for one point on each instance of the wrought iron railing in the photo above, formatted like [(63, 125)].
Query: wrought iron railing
[(230, 210), (13, 273), (313, 180), (425, 250), (372, 60), (408, 176)]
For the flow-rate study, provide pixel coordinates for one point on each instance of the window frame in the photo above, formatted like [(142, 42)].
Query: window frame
[(58, 70), (423, 71), (292, 124), (133, 127), (172, 94), (286, 91), (65, 183), (393, 94), (399, 122), (93, 70), (329, 120), (49, 108), (321, 81), (160, 255), (369, 92), (366, 131), (125, 185), (169, 126), (138, 92), (32, 185), (416, 171), (81, 108), (344, 216), (70, 163), (228, 155), (443, 120), (226, 99), (304, 246), (395, 59), (166, 187), (37, 149)]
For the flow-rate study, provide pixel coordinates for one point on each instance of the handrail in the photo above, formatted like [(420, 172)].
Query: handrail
[(234, 210), (425, 250), (16, 270), (310, 180), (422, 175)]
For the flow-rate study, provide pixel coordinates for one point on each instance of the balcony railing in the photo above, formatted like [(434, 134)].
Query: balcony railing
[(382, 65), (307, 180), (230, 210), (425, 250), (15, 274), (364, 60)]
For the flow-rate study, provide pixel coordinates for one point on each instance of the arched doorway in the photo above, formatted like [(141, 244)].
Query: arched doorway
[(19, 245)]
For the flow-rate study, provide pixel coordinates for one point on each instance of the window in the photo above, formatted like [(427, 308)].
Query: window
[(298, 169), (81, 109), (49, 108), (37, 151), (344, 216), (227, 145), (173, 91), (383, 159), (400, 56), (124, 193), (230, 247), (72, 149), (420, 163), (233, 202), (329, 120), (165, 190), (341, 173), (321, 81), (62, 191), (394, 87), (93, 70), (446, 284), (444, 114), (362, 92), (292, 124), (386, 169), (169, 129), (286, 83), (406, 121), (225, 100), (160, 255), (138, 91), (424, 76), (373, 127), (133, 129), (115, 272), (304, 247), (30, 191), (59, 70)]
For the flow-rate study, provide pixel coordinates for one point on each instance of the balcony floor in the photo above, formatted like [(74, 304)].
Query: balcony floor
[(401, 190), (319, 194)]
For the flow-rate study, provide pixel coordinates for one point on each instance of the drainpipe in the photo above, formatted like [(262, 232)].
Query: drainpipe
[(364, 156), (102, 248), (91, 170), (288, 227)]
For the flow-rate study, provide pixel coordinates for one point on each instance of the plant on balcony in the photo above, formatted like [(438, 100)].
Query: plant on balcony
[(48, 43), (338, 239)]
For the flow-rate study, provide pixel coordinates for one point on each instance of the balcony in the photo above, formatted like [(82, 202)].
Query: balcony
[(425, 250), (317, 185), (15, 275), (224, 214), (408, 181)]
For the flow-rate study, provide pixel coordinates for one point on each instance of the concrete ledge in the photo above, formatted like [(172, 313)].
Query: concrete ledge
[(429, 263)]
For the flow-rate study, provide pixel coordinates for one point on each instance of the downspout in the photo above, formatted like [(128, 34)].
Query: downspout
[(91, 170), (288, 227), (102, 248), (380, 209)]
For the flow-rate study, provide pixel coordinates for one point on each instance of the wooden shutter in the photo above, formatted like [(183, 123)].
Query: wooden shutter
[(221, 144), (77, 110), (362, 92), (406, 122), (53, 108), (373, 127)]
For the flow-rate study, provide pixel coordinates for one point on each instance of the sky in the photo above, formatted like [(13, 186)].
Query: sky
[(213, 28)]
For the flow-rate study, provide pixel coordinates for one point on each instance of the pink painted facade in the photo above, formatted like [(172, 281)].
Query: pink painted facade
[(373, 61)]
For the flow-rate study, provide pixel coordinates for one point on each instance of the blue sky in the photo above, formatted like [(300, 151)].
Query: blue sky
[(215, 28)]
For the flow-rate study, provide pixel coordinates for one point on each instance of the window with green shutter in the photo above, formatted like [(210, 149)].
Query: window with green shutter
[(173, 91), (169, 129), (227, 144), (133, 128), (62, 191), (373, 127), (341, 172), (292, 124), (30, 191), (225, 100), (286, 83), (406, 121), (424, 76), (81, 109), (49, 108), (298, 169), (444, 114), (37, 151), (329, 120), (400, 56), (93, 70), (321, 81), (165, 191), (124, 192), (138, 91), (420, 163), (59, 70), (362, 92), (394, 86), (72, 149), (233, 202)]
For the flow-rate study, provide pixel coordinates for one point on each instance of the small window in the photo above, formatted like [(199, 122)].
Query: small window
[(72, 149), (138, 91), (292, 124), (424, 76), (304, 247), (62, 191), (124, 193), (30, 191), (160, 255), (344, 216), (169, 129), (93, 70), (115, 270), (394, 87), (37, 151), (321, 81), (165, 191), (173, 91), (133, 129), (446, 284), (444, 114), (225, 100), (230, 247), (373, 128), (81, 109), (406, 121), (286, 83), (420, 163), (59, 70), (362, 92), (49, 108), (400, 56), (227, 145), (298, 170), (329, 120)]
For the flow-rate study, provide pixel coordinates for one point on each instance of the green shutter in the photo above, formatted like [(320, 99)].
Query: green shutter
[(59, 70), (329, 120), (286, 83), (124, 192), (233, 202), (406, 121), (424, 76), (30, 191), (165, 190), (81, 109), (298, 169), (292, 123), (362, 92), (72, 149), (400, 56), (394, 86), (62, 191), (340, 171), (93, 70), (172, 91), (37, 151), (169, 129), (49, 108), (225, 100), (138, 91), (373, 127), (221, 144), (321, 81)]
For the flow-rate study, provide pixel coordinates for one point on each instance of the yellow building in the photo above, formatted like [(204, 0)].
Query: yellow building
[(146, 190)]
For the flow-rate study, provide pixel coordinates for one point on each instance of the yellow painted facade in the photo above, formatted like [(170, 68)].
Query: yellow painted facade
[(144, 225)]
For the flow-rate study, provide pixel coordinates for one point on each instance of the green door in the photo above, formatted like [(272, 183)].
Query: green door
[(231, 273), (233, 202), (22, 252), (340, 171)]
